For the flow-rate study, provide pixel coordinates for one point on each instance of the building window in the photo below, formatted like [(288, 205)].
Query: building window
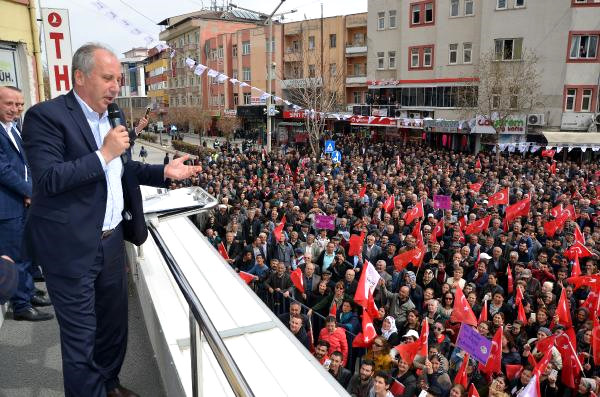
[(392, 59), (380, 20), (583, 47), (585, 3), (392, 14), (570, 100), (332, 69), (454, 8), (495, 98), (422, 13), (427, 57), (469, 7), (380, 60), (245, 48), (311, 42), (295, 45), (234, 74), (508, 49), (247, 98), (414, 58), (357, 97), (501, 4), (357, 71), (586, 100), (220, 52), (332, 41), (467, 52), (453, 52), (519, 3), (246, 74), (312, 71)]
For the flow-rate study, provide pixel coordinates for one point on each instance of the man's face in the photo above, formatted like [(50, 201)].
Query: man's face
[(295, 325), (404, 293), (379, 384), (309, 270), (366, 371), (8, 105), (331, 326), (20, 103), (320, 352), (295, 310), (336, 362), (350, 275), (102, 85)]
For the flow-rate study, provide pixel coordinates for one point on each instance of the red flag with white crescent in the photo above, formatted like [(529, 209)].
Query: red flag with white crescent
[(500, 197), (462, 312), (478, 226), (476, 187), (494, 363), (363, 191), (577, 249), (247, 277), (222, 251), (297, 279), (414, 213)]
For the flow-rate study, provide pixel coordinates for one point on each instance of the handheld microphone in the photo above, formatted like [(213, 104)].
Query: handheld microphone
[(114, 118)]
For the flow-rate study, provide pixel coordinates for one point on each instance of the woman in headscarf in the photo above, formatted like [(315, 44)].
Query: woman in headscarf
[(436, 373), (389, 331)]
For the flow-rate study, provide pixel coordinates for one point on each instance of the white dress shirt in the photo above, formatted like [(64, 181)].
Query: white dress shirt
[(100, 126)]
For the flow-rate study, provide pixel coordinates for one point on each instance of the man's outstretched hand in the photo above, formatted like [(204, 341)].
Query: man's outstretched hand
[(177, 170)]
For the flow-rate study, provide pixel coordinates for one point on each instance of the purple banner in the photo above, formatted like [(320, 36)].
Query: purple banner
[(442, 202), (472, 342), (325, 222)]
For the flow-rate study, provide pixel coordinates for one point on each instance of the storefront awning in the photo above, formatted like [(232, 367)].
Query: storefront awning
[(559, 138)]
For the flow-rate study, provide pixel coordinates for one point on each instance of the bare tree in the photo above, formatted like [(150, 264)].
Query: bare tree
[(228, 125), (188, 117), (507, 84), (320, 92)]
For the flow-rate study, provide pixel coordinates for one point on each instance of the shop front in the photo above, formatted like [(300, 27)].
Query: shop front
[(451, 134), (510, 132)]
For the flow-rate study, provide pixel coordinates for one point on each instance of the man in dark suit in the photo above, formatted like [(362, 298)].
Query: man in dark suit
[(15, 197), (86, 200)]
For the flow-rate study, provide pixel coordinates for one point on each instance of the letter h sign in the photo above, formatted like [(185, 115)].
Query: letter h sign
[(57, 36)]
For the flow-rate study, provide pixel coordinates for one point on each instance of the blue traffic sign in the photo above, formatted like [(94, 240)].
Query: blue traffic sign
[(329, 146), (336, 156)]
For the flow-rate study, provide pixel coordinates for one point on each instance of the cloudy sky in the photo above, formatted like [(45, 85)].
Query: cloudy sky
[(88, 25)]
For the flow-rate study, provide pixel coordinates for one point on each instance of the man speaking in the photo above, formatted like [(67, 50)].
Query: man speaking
[(86, 201)]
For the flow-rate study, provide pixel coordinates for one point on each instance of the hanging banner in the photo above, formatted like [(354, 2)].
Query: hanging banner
[(57, 36), (511, 125)]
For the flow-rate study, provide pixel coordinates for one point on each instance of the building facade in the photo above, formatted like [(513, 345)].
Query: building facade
[(157, 71), (20, 54), (422, 54)]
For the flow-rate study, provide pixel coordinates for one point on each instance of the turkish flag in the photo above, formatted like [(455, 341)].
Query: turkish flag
[(416, 231), (473, 391), (520, 208), (483, 316), (414, 213), (297, 279), (397, 388), (544, 344), (356, 244), (478, 163), (591, 303), (568, 212), (551, 227), (423, 338), (587, 281), (576, 269), (408, 351), (369, 278), (462, 312), (222, 251), (578, 235), (247, 277), (577, 249), (333, 310), (571, 364), (478, 226), (363, 191), (562, 311), (461, 377), (520, 308), (279, 229), (552, 168), (389, 204), (321, 190), (476, 187), (371, 307), (462, 222), (500, 197), (494, 363), (548, 153), (438, 231), (414, 256), (513, 371), (509, 276), (596, 340)]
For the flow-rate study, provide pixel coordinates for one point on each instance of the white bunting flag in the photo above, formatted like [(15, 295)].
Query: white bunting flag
[(212, 73), (190, 63), (222, 78), (199, 69)]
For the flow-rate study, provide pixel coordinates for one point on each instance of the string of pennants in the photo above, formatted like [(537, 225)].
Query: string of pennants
[(524, 147), (198, 68)]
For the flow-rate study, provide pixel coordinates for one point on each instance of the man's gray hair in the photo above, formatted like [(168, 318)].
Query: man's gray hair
[(83, 59)]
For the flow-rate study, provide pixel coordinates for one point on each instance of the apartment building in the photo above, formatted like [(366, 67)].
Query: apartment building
[(157, 71), (132, 96), (421, 54)]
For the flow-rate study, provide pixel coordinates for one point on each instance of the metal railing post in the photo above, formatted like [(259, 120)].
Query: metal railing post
[(196, 356)]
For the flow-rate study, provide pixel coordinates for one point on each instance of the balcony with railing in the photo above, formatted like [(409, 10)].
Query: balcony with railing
[(357, 48)]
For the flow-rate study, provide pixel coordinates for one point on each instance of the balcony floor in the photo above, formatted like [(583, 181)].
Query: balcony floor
[(31, 363)]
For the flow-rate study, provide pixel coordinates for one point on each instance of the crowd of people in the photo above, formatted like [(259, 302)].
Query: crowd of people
[(518, 276)]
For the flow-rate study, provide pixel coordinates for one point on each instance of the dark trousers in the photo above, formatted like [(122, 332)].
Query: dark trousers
[(92, 315), (11, 235)]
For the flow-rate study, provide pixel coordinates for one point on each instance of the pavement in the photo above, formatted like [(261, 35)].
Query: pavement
[(31, 365)]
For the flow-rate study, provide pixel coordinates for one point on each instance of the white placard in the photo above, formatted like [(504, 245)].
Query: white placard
[(57, 36)]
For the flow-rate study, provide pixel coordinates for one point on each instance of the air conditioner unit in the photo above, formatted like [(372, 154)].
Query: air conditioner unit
[(536, 119)]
